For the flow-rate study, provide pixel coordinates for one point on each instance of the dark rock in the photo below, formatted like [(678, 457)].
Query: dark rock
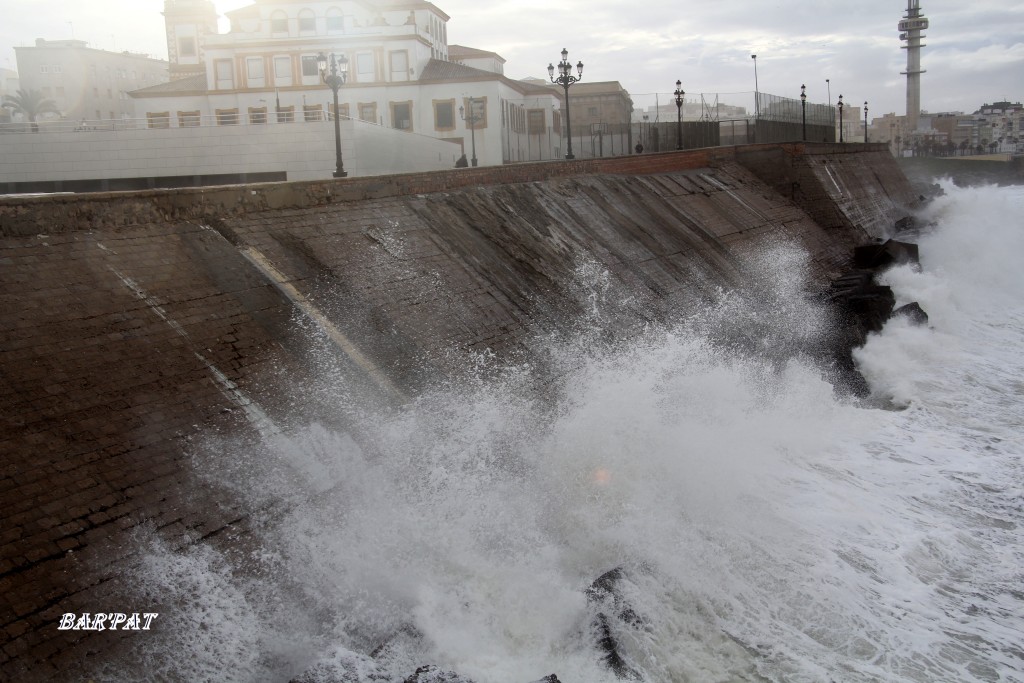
[(906, 224), (606, 591), (913, 312), (889, 253), (432, 674), (550, 678)]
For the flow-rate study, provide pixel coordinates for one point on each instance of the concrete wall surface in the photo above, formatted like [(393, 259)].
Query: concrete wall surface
[(305, 150), (133, 323)]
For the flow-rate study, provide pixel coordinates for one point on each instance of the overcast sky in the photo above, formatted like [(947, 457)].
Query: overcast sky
[(974, 49)]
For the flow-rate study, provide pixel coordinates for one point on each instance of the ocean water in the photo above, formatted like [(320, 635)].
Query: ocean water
[(766, 527)]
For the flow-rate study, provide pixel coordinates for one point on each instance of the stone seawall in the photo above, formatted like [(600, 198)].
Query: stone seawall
[(133, 322)]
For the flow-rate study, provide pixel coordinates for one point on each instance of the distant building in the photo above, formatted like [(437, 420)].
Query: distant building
[(86, 83), (9, 85), (402, 74), (992, 128)]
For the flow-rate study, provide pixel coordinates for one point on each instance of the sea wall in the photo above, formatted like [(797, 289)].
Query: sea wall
[(133, 323)]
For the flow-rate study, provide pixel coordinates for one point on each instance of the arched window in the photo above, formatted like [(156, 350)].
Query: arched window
[(307, 22), (335, 21), (278, 22)]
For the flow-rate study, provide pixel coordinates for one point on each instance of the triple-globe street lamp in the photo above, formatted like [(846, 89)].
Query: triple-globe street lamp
[(334, 80), (840, 118), (565, 79), (679, 93), (803, 111), (471, 120)]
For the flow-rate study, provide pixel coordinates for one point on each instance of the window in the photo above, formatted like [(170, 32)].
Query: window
[(535, 123), (364, 67), (401, 115), (46, 91), (254, 72), (187, 46), (110, 94), (368, 112), (279, 23), (44, 69), (479, 109), (286, 114), (161, 119), (225, 78), (343, 110), (399, 65), (335, 21), (312, 112), (444, 115), (592, 112), (188, 119), (283, 70), (257, 115), (310, 67), (57, 69), (307, 21), (227, 117)]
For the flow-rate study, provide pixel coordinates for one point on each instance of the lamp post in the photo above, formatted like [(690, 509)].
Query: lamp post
[(757, 105), (828, 86), (803, 111), (334, 80), (840, 119), (471, 120), (565, 79), (865, 122), (679, 93), (645, 132)]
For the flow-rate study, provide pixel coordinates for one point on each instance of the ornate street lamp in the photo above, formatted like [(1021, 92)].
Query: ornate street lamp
[(865, 122), (803, 110), (471, 120), (565, 79), (334, 80), (840, 118), (679, 93)]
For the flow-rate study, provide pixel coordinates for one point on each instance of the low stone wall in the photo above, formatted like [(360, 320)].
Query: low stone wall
[(134, 322)]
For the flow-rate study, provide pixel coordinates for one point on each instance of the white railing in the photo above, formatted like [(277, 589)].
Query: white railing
[(173, 120)]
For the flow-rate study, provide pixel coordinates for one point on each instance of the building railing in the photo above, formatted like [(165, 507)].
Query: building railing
[(179, 119)]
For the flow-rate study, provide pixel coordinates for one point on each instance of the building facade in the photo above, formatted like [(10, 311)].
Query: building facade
[(400, 75), (86, 83)]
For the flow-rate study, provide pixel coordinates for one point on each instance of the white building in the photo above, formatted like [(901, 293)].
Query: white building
[(402, 75)]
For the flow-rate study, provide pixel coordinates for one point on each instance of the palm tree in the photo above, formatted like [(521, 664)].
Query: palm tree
[(31, 104)]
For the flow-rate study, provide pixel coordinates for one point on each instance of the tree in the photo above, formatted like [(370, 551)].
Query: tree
[(963, 147), (30, 103)]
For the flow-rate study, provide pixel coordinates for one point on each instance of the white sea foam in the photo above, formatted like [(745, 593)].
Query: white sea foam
[(767, 529)]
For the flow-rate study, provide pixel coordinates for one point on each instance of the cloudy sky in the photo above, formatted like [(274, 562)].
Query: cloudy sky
[(974, 53)]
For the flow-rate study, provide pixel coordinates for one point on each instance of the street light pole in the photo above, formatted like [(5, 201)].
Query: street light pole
[(840, 118), (803, 110), (828, 86), (757, 105), (565, 79), (679, 93), (865, 122), (334, 80), (471, 119)]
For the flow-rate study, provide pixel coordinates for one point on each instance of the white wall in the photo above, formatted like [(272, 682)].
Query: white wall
[(304, 150)]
